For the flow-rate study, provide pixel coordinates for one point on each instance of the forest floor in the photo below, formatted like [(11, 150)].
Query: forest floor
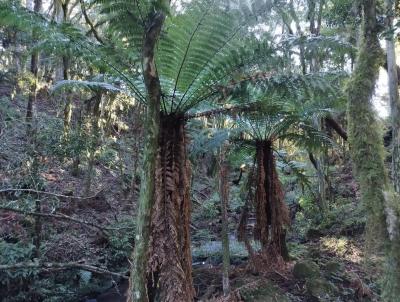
[(328, 262)]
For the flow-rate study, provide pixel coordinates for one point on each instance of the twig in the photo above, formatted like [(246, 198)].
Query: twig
[(279, 274), (89, 22), (63, 217), (57, 266), (51, 193)]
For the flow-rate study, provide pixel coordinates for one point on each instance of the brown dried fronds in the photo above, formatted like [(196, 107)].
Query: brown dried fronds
[(169, 265)]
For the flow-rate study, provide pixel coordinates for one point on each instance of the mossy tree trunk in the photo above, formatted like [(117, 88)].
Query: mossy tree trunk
[(366, 147), (393, 93), (138, 279), (170, 260), (271, 211), (364, 137)]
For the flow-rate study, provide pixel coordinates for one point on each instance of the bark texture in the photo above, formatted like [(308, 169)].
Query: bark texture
[(170, 261), (271, 211), (138, 279)]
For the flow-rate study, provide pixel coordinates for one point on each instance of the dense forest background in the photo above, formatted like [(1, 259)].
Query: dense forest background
[(204, 150)]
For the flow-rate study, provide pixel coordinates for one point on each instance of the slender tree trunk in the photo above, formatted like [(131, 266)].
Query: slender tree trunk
[(95, 138), (315, 66), (242, 227), (138, 279), (66, 68), (224, 196), (76, 160), (170, 260), (37, 238), (271, 211), (68, 104), (393, 94), (30, 109), (366, 149)]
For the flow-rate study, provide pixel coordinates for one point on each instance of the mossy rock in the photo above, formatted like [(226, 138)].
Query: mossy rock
[(306, 270), (265, 292), (320, 288)]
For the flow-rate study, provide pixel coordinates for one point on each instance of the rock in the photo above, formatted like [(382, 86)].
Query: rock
[(320, 288), (306, 270)]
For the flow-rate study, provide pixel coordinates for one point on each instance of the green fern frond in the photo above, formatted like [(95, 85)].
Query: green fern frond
[(84, 85)]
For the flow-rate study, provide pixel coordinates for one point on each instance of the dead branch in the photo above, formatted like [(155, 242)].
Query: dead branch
[(337, 127), (90, 23), (58, 266), (63, 217), (50, 193)]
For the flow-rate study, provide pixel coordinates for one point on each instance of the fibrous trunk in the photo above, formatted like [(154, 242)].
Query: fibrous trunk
[(170, 260), (271, 210)]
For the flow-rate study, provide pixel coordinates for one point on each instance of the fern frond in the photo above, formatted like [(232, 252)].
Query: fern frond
[(84, 85)]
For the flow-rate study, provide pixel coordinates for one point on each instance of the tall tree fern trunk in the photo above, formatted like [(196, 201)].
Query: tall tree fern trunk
[(366, 148), (271, 211), (138, 279), (393, 94), (170, 260), (30, 109)]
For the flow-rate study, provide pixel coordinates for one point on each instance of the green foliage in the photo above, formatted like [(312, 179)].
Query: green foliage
[(121, 243), (205, 138), (209, 208), (296, 250), (203, 235), (236, 198), (7, 113), (11, 253)]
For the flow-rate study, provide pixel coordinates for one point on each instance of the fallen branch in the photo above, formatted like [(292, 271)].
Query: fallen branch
[(58, 266), (51, 193), (63, 217)]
